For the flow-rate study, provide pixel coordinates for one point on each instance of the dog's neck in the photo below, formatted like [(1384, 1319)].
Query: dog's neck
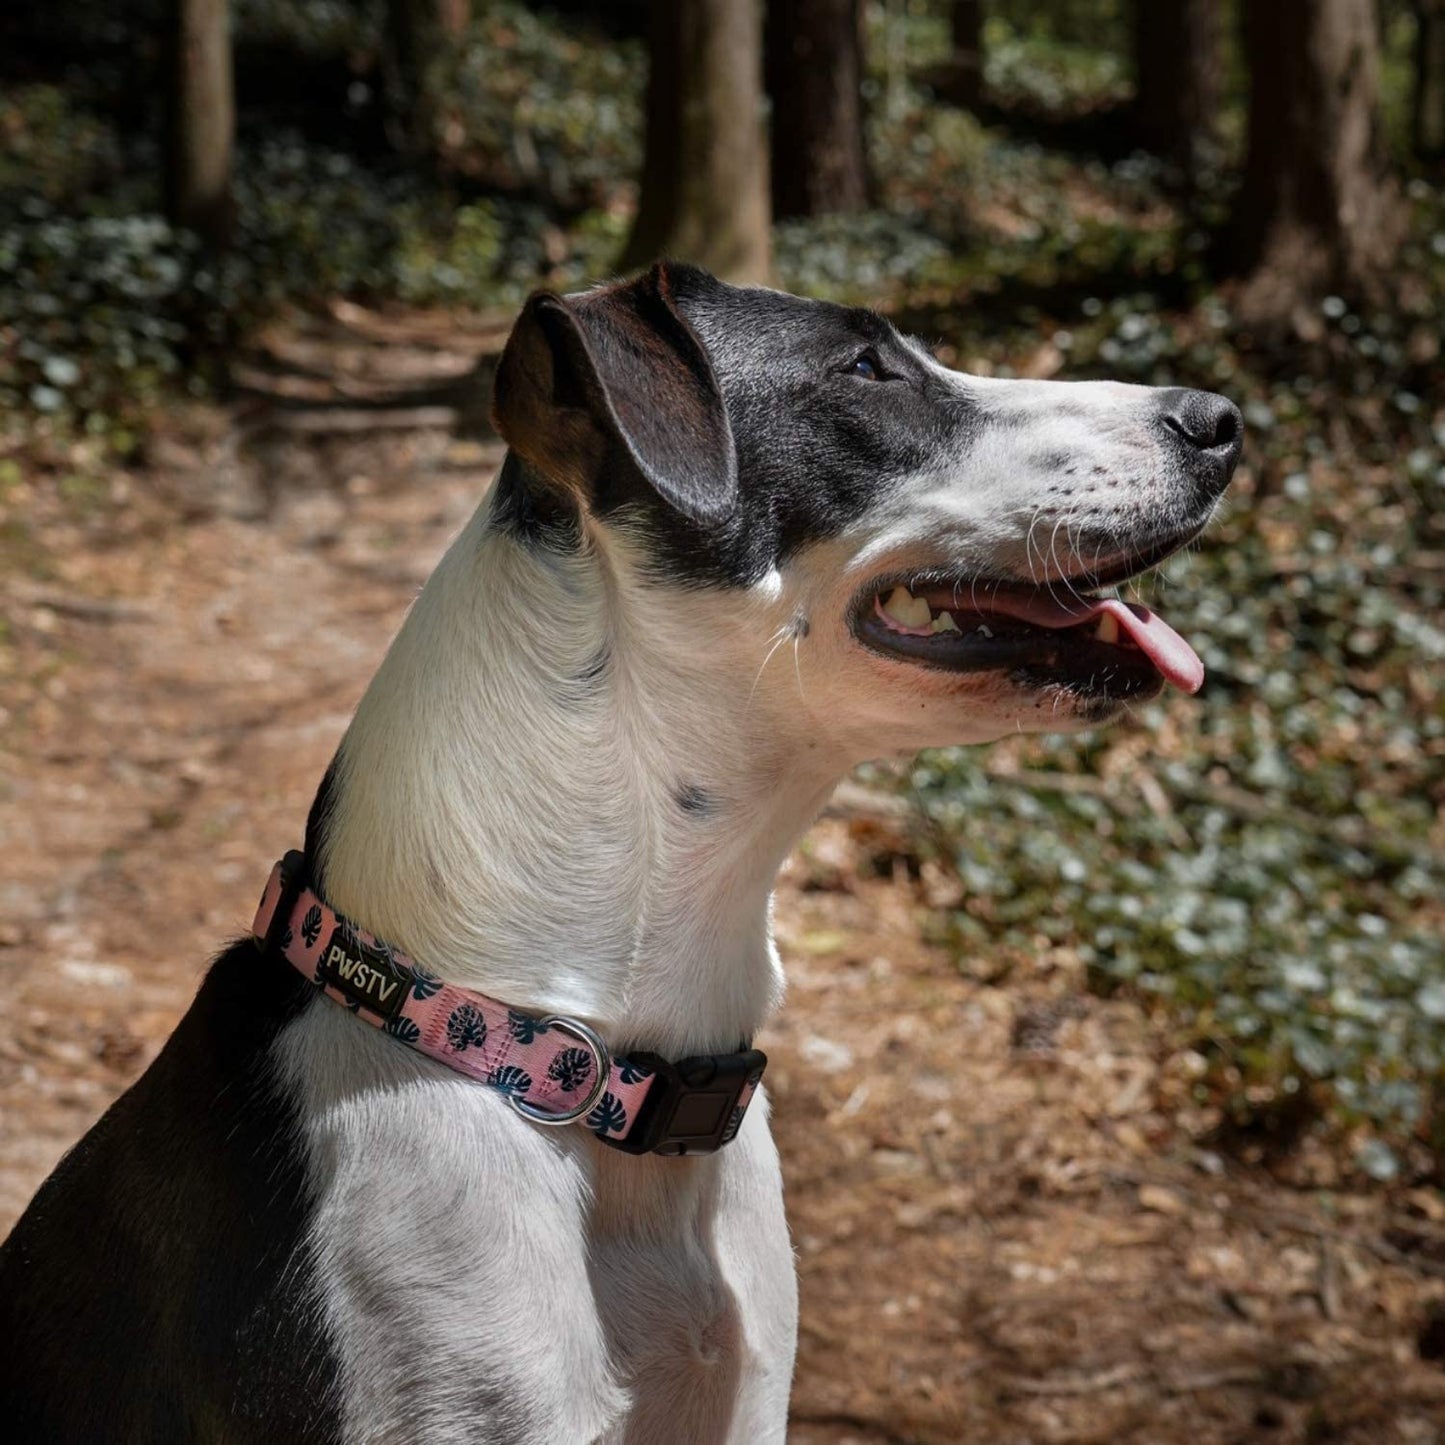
[(560, 791)]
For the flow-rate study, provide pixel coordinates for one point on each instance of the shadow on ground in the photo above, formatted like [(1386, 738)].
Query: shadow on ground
[(1003, 1235)]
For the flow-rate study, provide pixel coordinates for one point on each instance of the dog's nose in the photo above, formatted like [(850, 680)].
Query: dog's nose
[(1205, 423)]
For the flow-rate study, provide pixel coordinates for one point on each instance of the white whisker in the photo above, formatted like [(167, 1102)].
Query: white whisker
[(777, 640)]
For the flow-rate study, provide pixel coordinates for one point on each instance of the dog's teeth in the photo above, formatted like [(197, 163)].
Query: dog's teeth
[(903, 607), (984, 630), (1108, 628), (944, 623), (899, 603)]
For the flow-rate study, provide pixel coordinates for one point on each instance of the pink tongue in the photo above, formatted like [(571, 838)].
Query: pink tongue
[(1175, 659)]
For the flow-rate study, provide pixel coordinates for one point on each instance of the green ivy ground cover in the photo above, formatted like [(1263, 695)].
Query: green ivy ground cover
[(1272, 861), (1267, 861)]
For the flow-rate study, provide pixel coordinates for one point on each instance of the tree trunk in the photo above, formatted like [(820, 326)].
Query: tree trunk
[(419, 36), (965, 65), (1317, 208), (704, 191), (814, 74), (1176, 74), (200, 120), (1428, 119)]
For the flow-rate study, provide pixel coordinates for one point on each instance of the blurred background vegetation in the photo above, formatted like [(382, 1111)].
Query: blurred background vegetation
[(1197, 192)]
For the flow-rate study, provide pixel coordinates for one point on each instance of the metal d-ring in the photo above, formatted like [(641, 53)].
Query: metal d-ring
[(600, 1056)]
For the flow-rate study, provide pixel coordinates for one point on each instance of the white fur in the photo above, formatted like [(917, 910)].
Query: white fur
[(520, 833), (517, 831)]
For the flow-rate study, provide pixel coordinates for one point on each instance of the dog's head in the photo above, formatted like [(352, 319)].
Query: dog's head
[(770, 470)]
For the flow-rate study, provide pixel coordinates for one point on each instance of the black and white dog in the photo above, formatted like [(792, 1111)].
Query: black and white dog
[(741, 541)]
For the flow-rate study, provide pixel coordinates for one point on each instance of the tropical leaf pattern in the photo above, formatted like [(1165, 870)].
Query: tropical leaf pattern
[(524, 1028), (570, 1069), (510, 1080), (287, 939), (466, 1028), (402, 1028), (633, 1073), (609, 1116), (424, 984), (311, 926)]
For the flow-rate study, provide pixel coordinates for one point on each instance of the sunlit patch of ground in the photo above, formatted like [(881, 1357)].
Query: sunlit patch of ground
[(1006, 1228)]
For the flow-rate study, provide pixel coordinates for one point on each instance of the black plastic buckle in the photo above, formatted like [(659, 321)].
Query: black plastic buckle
[(694, 1106)]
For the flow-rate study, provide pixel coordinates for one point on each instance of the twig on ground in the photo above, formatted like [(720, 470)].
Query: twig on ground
[(1073, 1385), (87, 609)]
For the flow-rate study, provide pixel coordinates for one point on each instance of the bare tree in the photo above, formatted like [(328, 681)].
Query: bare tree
[(1177, 74), (420, 35), (965, 65), (1317, 207), (1428, 109), (200, 119), (704, 191), (814, 74)]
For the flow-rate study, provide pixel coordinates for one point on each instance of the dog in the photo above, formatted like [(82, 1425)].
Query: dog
[(740, 542)]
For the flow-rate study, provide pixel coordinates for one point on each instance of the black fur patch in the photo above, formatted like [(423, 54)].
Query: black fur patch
[(317, 822), (816, 444), (532, 511), (159, 1286), (595, 670), (695, 800)]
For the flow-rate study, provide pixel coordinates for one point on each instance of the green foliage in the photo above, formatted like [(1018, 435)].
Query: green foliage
[(311, 27), (495, 251), (1025, 214), (90, 309), (533, 105), (310, 222), (50, 149), (1064, 75), (1275, 880), (999, 209), (97, 311), (851, 258), (1064, 56), (1292, 950), (1266, 859), (1087, 25), (102, 303)]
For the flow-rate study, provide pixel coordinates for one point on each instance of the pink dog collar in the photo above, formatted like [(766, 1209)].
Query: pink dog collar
[(553, 1070)]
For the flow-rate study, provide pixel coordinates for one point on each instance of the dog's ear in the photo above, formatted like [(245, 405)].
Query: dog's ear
[(613, 389)]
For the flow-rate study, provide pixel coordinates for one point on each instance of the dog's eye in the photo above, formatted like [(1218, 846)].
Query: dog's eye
[(868, 367)]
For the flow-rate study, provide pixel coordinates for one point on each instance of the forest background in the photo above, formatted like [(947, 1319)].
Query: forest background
[(1248, 197)]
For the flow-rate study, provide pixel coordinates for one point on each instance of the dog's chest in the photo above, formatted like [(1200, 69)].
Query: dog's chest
[(477, 1274)]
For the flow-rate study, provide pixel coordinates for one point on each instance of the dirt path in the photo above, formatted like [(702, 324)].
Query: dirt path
[(1004, 1232)]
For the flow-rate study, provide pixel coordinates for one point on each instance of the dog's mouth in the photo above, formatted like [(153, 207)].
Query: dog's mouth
[(1054, 636)]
